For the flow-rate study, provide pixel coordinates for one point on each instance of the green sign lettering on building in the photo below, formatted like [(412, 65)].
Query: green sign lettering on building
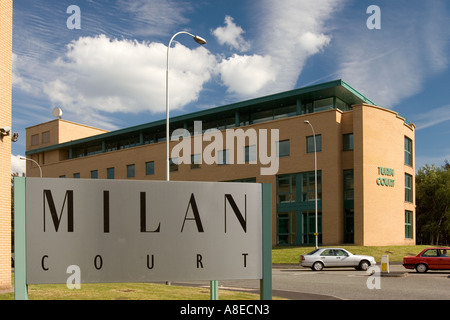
[(384, 180)]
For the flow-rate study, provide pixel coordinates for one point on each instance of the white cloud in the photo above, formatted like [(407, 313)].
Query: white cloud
[(103, 75), (432, 117), (231, 35), (18, 165), (291, 32), (245, 75)]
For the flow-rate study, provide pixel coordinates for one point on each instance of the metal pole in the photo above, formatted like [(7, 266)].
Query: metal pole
[(29, 159), (201, 41)]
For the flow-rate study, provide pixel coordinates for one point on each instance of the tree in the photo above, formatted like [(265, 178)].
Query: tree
[(433, 204)]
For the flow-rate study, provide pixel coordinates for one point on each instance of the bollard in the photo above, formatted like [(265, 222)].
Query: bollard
[(385, 264)]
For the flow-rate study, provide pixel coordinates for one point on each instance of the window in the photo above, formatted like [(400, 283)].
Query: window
[(223, 157), (283, 148), (408, 188), (150, 168), (35, 139), (110, 173), (348, 185), (130, 171), (408, 224), (348, 142), (76, 175), (408, 151), (196, 160), (286, 188), (431, 253), (46, 137), (323, 104), (94, 174), (250, 154), (173, 164), (310, 143), (309, 227), (309, 186), (286, 222)]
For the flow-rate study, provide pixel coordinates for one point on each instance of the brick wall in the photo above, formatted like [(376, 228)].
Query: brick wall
[(5, 144)]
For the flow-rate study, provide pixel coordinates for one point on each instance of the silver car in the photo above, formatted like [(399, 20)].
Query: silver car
[(335, 257)]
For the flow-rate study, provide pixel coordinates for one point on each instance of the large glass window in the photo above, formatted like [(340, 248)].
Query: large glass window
[(308, 186), (149, 168), (323, 104), (408, 151), (310, 143), (349, 226), (408, 188), (110, 173), (286, 188), (130, 171), (348, 185), (94, 174), (309, 227), (408, 224), (283, 148), (76, 175), (286, 225), (348, 142)]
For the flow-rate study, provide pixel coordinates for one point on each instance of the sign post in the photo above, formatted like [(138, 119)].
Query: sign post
[(141, 231), (20, 259)]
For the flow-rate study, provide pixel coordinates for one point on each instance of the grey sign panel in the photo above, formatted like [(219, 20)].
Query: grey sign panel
[(139, 231)]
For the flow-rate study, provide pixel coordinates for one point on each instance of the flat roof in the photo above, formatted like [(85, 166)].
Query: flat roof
[(336, 88)]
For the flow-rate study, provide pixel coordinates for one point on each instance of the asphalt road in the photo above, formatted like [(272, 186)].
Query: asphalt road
[(297, 283)]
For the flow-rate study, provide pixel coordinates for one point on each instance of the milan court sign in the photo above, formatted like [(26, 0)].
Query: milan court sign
[(141, 231)]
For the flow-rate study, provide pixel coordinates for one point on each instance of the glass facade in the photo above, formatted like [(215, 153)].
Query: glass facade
[(131, 171), (408, 152), (296, 208), (310, 143), (408, 188), (283, 148), (408, 224)]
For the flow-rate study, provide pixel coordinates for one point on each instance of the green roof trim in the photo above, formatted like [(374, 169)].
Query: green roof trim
[(336, 88)]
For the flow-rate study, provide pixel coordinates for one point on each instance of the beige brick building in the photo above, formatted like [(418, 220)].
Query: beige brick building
[(365, 160), (5, 142)]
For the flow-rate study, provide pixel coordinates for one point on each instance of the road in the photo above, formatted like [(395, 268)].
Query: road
[(295, 282)]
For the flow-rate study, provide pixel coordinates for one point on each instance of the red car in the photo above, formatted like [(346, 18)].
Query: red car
[(436, 258)]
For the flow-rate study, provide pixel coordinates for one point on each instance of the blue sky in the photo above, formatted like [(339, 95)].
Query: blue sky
[(110, 73)]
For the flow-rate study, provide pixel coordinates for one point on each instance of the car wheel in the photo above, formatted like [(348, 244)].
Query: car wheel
[(421, 268), (317, 266), (364, 265)]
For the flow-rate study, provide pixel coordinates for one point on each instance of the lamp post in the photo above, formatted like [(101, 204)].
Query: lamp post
[(316, 234), (40, 169), (201, 41)]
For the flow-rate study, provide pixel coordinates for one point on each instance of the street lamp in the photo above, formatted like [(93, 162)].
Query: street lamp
[(316, 234), (200, 41), (40, 169)]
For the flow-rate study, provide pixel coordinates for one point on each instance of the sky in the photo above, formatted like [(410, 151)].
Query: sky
[(103, 62)]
